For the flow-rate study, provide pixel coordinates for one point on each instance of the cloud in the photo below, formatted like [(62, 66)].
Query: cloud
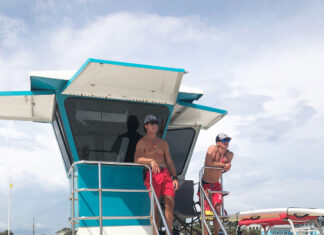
[(49, 209), (278, 192), (123, 35), (273, 128), (31, 161), (31, 155), (10, 32)]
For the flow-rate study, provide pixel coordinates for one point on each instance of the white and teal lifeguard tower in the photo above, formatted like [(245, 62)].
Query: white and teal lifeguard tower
[(97, 116)]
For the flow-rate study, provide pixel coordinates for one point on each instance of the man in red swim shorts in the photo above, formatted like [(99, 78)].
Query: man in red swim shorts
[(217, 156), (153, 151)]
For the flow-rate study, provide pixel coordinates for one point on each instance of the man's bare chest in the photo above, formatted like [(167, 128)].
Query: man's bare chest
[(156, 150)]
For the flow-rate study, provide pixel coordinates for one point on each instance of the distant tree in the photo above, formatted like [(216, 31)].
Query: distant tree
[(230, 227), (251, 232), (64, 231), (6, 233)]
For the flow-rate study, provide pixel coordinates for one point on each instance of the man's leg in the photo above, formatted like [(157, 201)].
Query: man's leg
[(169, 207), (216, 225)]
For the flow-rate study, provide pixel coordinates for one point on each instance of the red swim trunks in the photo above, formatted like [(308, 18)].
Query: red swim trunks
[(216, 198), (162, 182)]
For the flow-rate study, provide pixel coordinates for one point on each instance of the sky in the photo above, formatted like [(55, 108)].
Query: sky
[(262, 61)]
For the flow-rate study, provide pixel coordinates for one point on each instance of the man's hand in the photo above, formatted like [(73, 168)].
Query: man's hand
[(155, 167), (175, 184), (227, 166)]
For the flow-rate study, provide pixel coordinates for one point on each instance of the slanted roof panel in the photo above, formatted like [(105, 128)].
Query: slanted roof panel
[(27, 106), (188, 114), (125, 81)]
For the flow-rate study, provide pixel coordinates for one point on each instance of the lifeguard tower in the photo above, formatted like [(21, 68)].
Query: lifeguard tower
[(97, 116)]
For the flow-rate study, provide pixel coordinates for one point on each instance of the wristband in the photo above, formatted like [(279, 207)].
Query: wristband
[(174, 178)]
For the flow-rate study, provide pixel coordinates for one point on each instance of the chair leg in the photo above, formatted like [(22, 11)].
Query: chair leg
[(185, 226)]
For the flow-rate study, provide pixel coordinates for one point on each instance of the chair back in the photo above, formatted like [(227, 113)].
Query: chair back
[(184, 201)]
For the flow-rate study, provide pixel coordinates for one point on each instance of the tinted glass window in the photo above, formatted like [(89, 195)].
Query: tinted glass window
[(61, 139), (108, 130), (180, 141)]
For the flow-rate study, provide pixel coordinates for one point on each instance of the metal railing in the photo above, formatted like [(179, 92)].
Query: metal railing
[(204, 197), (153, 197), (308, 231)]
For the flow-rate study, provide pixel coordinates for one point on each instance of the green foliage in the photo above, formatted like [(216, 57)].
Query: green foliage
[(230, 227), (250, 231), (6, 233), (64, 231)]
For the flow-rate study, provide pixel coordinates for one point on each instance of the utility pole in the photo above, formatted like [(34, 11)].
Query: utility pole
[(9, 206), (33, 226)]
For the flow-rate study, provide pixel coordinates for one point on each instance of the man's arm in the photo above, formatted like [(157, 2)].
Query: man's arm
[(211, 157), (228, 163), (139, 152), (170, 164), (140, 158)]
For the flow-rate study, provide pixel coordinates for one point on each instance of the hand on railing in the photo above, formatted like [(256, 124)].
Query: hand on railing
[(155, 167)]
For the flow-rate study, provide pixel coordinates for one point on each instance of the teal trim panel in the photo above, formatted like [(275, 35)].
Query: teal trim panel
[(42, 83), (170, 107), (77, 74), (188, 97), (113, 203), (137, 65), (25, 93), (60, 99), (198, 106)]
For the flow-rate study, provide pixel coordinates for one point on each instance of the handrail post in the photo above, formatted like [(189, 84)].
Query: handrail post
[(318, 225), (72, 214), (202, 202), (152, 203), (292, 226), (222, 209), (100, 196), (161, 212), (154, 198)]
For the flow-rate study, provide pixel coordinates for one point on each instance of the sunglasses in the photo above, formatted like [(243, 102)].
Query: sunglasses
[(153, 122), (225, 140)]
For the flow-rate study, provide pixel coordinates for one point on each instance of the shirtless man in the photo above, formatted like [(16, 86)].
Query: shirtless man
[(217, 156), (154, 152)]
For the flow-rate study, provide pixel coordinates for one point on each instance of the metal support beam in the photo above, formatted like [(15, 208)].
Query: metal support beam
[(292, 226), (318, 226)]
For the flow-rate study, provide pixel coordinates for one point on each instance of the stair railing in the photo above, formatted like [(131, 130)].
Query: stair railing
[(153, 198)]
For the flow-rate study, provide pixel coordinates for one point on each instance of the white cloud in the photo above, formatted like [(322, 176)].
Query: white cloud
[(10, 32), (143, 38), (42, 163), (285, 73), (9, 130), (3, 226)]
